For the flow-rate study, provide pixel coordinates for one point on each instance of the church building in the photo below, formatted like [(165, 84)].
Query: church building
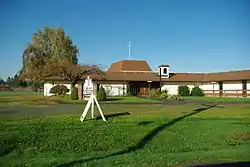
[(139, 78)]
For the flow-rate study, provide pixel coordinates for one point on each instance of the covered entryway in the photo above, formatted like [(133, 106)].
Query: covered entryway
[(142, 88)]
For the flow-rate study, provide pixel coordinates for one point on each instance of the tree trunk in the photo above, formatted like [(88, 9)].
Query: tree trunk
[(72, 86)]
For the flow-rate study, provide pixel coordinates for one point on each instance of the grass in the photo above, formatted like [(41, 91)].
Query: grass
[(26, 98), (132, 99), (152, 135), (219, 99)]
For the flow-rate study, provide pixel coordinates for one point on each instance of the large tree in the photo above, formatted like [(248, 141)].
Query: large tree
[(71, 72), (51, 44), (2, 82)]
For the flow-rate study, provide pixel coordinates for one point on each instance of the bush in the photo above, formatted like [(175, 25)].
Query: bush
[(129, 94), (164, 94), (155, 93), (74, 94), (197, 91), (174, 97), (183, 90), (101, 94), (59, 90)]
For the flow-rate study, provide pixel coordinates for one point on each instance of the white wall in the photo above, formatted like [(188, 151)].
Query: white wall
[(173, 86), (48, 86), (210, 86), (248, 85), (232, 85), (115, 89)]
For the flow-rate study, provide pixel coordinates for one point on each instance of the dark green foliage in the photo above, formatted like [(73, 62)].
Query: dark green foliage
[(74, 94), (183, 90), (2, 82), (129, 93), (59, 90), (197, 91), (101, 94), (16, 82)]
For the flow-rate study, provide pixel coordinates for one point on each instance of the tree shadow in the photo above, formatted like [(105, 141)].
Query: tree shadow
[(7, 151), (113, 115), (141, 144), (8, 112), (113, 99), (229, 164)]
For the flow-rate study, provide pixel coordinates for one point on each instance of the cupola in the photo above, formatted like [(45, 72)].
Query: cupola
[(163, 70)]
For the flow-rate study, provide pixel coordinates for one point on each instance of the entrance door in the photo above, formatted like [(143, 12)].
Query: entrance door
[(142, 88)]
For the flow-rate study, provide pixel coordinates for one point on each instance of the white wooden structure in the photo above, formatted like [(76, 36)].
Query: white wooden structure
[(91, 102)]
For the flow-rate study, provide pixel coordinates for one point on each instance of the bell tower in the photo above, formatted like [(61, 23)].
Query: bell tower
[(163, 70)]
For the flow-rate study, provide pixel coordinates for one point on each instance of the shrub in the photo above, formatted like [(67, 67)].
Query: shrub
[(155, 93), (101, 94), (164, 91), (129, 91), (164, 94), (129, 94), (183, 90), (74, 94), (174, 97), (197, 91), (59, 90)]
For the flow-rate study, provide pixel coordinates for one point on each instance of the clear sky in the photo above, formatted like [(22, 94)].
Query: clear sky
[(189, 35)]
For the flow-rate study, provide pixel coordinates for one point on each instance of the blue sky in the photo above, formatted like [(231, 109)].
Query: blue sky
[(189, 35)]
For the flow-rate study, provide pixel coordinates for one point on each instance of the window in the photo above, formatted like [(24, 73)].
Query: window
[(165, 71)]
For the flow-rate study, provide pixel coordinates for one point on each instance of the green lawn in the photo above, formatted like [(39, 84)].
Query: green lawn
[(33, 98), (152, 135), (219, 99), (130, 99)]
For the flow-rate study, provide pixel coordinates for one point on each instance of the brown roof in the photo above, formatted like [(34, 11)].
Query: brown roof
[(129, 65), (139, 70), (174, 77), (227, 76)]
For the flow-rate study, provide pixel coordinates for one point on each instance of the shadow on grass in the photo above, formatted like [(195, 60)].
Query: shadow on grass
[(39, 101), (146, 139), (8, 145), (7, 151), (229, 164), (145, 122), (113, 115), (113, 99)]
